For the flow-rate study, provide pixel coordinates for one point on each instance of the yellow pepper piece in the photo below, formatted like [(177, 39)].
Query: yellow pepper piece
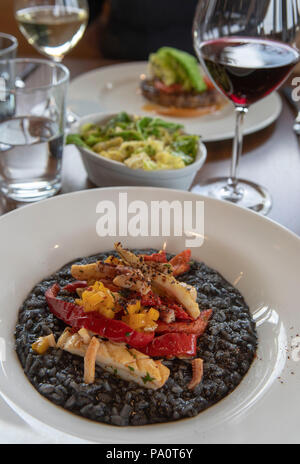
[(133, 308), (136, 321), (41, 345), (112, 260), (139, 319), (98, 298), (153, 314)]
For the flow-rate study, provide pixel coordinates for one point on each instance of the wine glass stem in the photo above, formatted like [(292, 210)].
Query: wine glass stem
[(237, 148), (57, 59)]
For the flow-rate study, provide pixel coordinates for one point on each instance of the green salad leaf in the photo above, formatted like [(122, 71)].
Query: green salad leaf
[(76, 139)]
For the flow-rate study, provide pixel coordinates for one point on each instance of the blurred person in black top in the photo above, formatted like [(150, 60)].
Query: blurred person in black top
[(134, 28)]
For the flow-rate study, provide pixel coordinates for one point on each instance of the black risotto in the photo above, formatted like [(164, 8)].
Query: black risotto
[(228, 348)]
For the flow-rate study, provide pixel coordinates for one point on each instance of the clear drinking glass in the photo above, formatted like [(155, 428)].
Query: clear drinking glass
[(32, 131), (247, 47), (53, 27), (8, 46), (8, 50)]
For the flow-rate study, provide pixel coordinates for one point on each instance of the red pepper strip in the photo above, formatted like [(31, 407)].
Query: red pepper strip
[(196, 327), (151, 300), (172, 344), (181, 262), (180, 312), (76, 317), (157, 302), (72, 286), (159, 257)]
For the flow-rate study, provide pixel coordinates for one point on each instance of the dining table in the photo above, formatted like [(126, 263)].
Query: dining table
[(271, 157)]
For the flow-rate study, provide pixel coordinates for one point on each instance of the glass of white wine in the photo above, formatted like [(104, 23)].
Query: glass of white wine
[(53, 27)]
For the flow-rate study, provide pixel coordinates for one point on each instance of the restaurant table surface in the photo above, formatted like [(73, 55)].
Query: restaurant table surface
[(271, 158)]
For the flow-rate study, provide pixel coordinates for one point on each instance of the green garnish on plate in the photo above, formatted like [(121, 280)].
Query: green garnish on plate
[(173, 66)]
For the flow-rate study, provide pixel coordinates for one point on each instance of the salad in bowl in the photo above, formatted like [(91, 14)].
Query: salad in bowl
[(124, 149)]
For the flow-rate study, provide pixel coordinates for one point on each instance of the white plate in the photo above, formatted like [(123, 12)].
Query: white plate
[(255, 254), (116, 88)]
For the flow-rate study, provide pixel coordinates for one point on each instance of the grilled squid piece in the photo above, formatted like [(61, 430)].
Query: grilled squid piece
[(129, 257), (90, 360), (197, 366), (85, 335), (138, 262), (185, 294), (121, 275), (167, 315), (132, 279), (93, 271), (116, 358)]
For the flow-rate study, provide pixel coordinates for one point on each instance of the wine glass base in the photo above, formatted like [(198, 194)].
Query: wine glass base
[(246, 193)]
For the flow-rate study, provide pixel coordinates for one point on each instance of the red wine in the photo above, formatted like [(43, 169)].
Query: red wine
[(247, 69)]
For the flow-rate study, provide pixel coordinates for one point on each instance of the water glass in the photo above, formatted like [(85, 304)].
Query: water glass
[(8, 46), (8, 50), (32, 131)]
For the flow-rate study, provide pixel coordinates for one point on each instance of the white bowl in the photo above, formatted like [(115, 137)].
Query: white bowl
[(104, 172), (258, 256)]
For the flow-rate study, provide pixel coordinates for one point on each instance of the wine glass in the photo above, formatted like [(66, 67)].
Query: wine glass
[(247, 49), (53, 27)]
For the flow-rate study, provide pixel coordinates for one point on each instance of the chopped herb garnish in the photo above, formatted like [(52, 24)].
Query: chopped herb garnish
[(147, 378), (125, 292), (127, 334), (131, 368)]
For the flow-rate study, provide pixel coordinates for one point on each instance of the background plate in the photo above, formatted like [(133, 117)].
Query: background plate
[(116, 88)]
